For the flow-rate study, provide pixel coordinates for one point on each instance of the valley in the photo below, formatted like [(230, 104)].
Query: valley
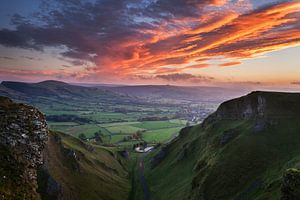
[(150, 100), (244, 148), (118, 114)]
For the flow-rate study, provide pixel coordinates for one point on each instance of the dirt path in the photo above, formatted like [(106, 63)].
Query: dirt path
[(142, 177)]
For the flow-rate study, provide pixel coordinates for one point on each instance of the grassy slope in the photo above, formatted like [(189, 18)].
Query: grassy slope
[(249, 166), (160, 135), (96, 174)]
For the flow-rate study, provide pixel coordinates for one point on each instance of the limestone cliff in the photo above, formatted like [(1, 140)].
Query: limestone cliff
[(23, 136), (257, 105)]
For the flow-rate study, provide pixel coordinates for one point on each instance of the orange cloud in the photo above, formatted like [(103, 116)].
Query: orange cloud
[(228, 64), (231, 31), (174, 43), (210, 26)]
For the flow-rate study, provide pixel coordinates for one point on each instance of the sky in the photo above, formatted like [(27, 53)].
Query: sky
[(181, 42)]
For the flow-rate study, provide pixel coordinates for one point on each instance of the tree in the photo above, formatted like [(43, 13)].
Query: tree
[(145, 145), (98, 133), (98, 136), (187, 124), (139, 134), (125, 139), (82, 136), (134, 146)]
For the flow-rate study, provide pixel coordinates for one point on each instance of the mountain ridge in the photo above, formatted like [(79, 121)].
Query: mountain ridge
[(171, 92)]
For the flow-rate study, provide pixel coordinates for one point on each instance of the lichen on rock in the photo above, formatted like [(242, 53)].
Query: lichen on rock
[(23, 136)]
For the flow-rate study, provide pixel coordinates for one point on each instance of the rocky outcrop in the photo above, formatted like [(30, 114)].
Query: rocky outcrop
[(250, 106), (264, 107), (290, 189), (23, 136)]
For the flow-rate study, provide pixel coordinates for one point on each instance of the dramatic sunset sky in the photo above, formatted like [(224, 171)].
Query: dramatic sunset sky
[(183, 42)]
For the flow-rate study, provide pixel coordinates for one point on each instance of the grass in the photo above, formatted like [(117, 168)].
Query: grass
[(178, 121), (117, 138), (129, 144), (246, 164), (157, 131), (87, 129), (231, 159), (153, 131), (101, 175), (160, 135), (54, 124), (118, 124), (152, 125), (123, 129)]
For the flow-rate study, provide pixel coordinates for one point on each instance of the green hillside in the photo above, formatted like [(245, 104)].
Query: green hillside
[(249, 149), (82, 171), (246, 150)]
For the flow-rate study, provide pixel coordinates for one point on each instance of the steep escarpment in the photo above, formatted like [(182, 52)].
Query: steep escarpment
[(258, 105), (23, 136), (247, 149)]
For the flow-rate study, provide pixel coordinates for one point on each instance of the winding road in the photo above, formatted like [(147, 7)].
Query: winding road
[(142, 177)]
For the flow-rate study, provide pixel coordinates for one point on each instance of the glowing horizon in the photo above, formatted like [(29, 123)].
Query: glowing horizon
[(211, 42)]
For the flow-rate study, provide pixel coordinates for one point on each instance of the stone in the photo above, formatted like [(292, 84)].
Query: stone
[(23, 132)]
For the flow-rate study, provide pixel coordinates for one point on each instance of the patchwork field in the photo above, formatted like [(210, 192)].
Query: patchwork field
[(121, 132)]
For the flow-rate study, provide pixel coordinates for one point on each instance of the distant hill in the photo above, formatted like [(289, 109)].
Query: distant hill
[(188, 93), (247, 149), (55, 95), (53, 89), (57, 89)]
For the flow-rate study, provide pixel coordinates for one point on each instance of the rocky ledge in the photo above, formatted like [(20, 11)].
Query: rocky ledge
[(23, 136), (264, 107)]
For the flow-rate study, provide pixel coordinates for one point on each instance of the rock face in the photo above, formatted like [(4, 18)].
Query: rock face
[(290, 189), (23, 136), (264, 107), (252, 105)]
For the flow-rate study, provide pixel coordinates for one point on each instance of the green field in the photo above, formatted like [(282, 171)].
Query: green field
[(117, 138), (124, 129), (160, 135), (152, 125), (152, 131), (88, 129), (118, 124)]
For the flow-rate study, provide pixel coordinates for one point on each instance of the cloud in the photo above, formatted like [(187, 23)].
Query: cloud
[(228, 64), (113, 38), (295, 83), (6, 58), (30, 58), (184, 77), (28, 74), (167, 9)]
